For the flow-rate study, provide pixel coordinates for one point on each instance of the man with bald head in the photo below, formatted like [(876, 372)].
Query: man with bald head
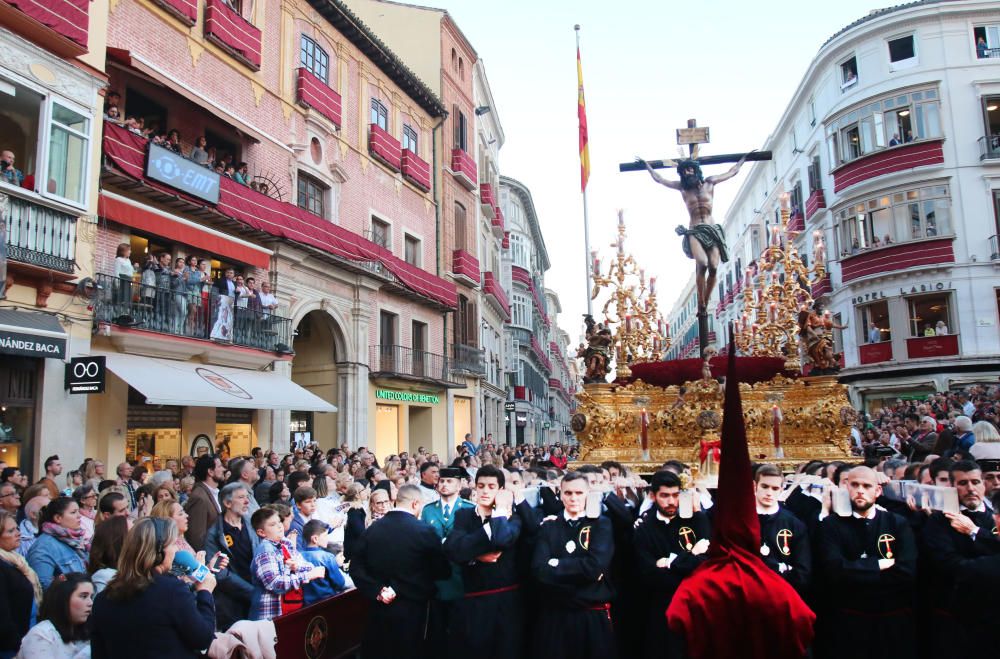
[(867, 562)]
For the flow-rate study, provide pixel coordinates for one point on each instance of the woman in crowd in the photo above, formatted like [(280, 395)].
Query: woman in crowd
[(62, 632), (175, 511), (20, 592), (105, 550), (124, 270), (74, 479), (358, 518), (86, 497), (94, 473), (199, 153), (163, 492), (279, 493), (146, 607), (60, 547)]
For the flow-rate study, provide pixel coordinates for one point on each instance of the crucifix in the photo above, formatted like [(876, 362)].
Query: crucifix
[(686, 533), (703, 239), (887, 540), (783, 536)]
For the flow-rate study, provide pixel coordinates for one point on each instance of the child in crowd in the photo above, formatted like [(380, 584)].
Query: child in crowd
[(279, 571), (316, 537), (305, 508)]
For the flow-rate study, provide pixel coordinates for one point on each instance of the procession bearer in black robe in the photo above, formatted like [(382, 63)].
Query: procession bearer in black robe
[(951, 543), (868, 563), (668, 548), (487, 622), (784, 539), (571, 563)]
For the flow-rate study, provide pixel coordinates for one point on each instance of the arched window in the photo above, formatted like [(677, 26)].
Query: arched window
[(461, 69), (454, 60), (315, 59)]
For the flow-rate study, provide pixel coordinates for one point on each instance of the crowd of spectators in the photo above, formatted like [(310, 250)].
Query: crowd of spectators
[(178, 295), (92, 562), (221, 161)]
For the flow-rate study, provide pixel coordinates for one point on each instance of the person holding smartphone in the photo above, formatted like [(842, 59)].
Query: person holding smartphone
[(487, 621)]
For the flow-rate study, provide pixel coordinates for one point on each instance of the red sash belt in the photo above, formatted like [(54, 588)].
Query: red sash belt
[(606, 607), (495, 591)]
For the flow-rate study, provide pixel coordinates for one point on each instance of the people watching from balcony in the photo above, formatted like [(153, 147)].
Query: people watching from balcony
[(242, 174), (982, 50), (928, 330), (874, 333), (199, 152), (111, 113), (895, 141), (940, 329), (8, 172)]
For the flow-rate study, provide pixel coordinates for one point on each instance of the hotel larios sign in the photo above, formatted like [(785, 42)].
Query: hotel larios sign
[(406, 396), (186, 175), (874, 296)]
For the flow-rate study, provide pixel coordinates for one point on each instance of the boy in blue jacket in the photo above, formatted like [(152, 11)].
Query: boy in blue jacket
[(315, 538)]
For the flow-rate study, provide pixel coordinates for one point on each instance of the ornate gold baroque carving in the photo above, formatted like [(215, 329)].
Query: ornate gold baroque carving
[(816, 420)]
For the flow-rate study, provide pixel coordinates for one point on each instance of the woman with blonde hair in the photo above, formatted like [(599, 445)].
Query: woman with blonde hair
[(172, 510), (144, 606), (987, 444)]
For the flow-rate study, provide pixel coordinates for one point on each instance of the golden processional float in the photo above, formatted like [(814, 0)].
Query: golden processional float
[(656, 410)]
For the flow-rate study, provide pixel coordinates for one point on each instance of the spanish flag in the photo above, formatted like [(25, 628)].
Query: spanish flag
[(581, 110)]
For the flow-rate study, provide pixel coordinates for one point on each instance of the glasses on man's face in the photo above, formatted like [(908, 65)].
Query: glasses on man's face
[(10, 494)]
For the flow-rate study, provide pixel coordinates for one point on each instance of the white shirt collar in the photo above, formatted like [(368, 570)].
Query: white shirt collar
[(761, 510), (868, 515), (980, 509), (663, 518), (567, 517)]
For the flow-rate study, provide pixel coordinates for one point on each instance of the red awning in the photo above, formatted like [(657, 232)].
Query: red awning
[(139, 216)]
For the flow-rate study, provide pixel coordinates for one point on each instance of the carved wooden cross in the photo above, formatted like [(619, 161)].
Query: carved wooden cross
[(692, 136)]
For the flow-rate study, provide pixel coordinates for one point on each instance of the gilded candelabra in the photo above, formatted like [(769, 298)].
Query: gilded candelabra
[(776, 293), (641, 334)]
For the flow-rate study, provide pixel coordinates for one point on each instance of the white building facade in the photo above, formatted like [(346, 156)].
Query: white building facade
[(890, 148)]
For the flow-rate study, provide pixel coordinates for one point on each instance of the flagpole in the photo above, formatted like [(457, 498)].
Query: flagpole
[(586, 221)]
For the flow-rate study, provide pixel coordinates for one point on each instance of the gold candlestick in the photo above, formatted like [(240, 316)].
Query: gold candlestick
[(639, 335)]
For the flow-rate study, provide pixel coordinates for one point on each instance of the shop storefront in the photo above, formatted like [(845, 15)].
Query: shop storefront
[(171, 408), (404, 418), (27, 339)]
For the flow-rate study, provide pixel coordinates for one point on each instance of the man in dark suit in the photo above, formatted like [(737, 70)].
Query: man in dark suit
[(202, 505), (951, 544), (226, 285), (395, 564)]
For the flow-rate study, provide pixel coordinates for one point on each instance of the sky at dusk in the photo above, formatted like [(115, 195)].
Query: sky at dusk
[(648, 67)]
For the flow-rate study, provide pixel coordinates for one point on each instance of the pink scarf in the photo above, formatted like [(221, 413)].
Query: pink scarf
[(73, 538)]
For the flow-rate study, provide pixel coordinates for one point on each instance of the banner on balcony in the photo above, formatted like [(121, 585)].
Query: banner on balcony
[(165, 166), (222, 330)]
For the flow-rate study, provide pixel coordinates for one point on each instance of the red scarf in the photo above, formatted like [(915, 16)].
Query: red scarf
[(292, 599)]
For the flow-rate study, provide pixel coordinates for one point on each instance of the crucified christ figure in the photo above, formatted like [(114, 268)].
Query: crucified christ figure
[(703, 239)]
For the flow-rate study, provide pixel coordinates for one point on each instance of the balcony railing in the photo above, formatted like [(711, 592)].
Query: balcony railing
[(994, 248), (312, 92), (465, 266), (468, 359), (384, 147), (985, 53), (192, 315), (463, 167), (409, 364), (38, 235), (416, 171), (989, 147), (486, 200), (68, 20), (233, 33)]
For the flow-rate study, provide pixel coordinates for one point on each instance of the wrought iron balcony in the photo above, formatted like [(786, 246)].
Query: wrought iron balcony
[(133, 305), (405, 363), (994, 248), (38, 235), (468, 359)]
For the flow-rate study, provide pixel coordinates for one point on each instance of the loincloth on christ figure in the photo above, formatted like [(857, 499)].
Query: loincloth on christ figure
[(709, 235)]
